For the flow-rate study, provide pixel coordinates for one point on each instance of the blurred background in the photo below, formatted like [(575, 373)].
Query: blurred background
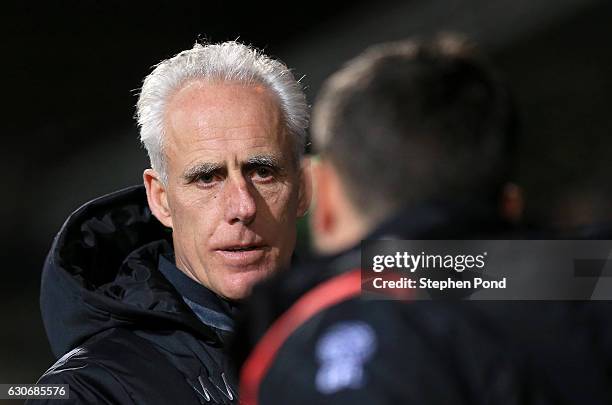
[(71, 71)]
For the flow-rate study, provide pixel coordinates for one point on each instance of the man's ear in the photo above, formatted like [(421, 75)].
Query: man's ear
[(335, 223), (512, 203), (321, 217), (157, 196), (305, 190)]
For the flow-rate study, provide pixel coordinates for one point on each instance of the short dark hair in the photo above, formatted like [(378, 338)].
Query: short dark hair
[(416, 121)]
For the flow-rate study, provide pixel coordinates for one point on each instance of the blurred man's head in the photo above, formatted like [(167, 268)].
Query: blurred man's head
[(406, 124), (224, 129)]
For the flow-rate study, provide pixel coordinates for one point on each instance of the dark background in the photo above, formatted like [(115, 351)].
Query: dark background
[(71, 71)]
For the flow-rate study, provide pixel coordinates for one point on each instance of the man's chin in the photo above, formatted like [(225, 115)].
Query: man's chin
[(238, 285)]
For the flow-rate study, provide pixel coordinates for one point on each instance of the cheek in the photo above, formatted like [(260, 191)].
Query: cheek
[(192, 215), (277, 219), (280, 202)]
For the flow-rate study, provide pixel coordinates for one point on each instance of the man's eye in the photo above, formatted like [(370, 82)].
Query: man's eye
[(263, 172), (206, 178)]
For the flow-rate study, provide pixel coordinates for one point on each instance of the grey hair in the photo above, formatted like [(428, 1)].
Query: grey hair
[(228, 61)]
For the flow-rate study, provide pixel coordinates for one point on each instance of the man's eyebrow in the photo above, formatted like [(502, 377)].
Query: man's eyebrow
[(201, 169), (263, 160)]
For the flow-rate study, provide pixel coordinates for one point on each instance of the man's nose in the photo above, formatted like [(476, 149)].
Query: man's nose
[(241, 205)]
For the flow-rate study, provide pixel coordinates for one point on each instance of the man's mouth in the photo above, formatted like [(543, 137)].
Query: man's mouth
[(242, 255), (241, 248)]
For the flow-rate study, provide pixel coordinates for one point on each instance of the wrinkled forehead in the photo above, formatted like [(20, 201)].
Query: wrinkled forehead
[(209, 103), (225, 121)]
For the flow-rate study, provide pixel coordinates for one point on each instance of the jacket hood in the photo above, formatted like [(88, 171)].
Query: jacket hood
[(101, 273)]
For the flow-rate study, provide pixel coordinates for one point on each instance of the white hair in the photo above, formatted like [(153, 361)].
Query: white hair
[(228, 61)]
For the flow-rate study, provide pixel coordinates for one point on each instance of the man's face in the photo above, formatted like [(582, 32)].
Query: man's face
[(234, 189)]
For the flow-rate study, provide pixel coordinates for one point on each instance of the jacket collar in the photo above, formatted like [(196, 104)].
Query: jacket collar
[(211, 309)]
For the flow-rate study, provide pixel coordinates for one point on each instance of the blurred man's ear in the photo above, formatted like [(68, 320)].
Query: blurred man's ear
[(157, 197), (335, 223), (321, 217), (512, 203), (305, 191)]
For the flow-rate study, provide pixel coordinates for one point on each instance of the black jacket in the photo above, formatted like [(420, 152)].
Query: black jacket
[(124, 334), (428, 352)]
